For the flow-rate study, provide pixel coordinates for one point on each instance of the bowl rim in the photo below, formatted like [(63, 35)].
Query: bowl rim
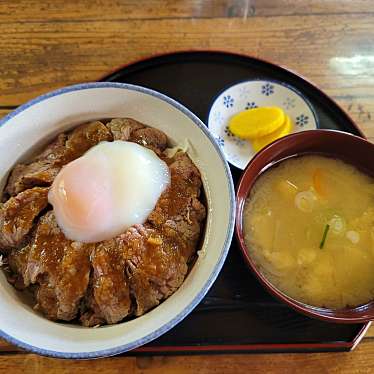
[(224, 250), (325, 314)]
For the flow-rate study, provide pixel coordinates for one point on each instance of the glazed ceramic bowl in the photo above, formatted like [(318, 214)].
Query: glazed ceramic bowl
[(35, 124), (337, 144), (252, 94)]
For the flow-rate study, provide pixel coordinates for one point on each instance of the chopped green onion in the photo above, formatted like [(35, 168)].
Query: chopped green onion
[(327, 227)]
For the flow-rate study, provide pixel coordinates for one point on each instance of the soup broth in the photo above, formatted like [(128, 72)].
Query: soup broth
[(309, 227)]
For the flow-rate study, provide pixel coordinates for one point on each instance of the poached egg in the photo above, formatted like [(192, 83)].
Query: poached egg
[(111, 187)]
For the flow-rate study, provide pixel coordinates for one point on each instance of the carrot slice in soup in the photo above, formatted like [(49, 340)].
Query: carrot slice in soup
[(319, 182)]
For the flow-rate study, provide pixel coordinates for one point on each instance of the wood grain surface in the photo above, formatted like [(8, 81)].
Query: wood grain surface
[(52, 43), (358, 362), (39, 55)]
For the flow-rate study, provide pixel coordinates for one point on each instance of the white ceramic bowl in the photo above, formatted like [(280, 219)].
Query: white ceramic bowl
[(253, 94), (36, 123)]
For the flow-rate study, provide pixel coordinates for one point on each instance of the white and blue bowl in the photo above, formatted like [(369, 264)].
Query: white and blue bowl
[(36, 123), (252, 94)]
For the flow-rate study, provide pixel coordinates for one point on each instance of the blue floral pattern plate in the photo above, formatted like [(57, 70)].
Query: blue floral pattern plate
[(253, 94)]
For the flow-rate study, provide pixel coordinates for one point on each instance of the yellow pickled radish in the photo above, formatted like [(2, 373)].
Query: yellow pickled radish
[(284, 130), (257, 122)]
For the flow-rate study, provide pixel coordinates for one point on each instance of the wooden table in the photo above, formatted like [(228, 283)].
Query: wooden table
[(49, 44)]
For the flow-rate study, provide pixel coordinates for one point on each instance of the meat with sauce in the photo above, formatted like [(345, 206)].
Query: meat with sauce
[(106, 282), (18, 214), (65, 148), (59, 267)]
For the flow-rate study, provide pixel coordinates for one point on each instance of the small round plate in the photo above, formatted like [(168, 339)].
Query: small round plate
[(253, 94)]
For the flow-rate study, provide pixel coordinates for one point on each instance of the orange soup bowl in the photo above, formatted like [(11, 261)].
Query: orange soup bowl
[(340, 145)]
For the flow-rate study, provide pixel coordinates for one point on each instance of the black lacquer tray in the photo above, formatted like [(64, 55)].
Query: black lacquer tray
[(238, 315)]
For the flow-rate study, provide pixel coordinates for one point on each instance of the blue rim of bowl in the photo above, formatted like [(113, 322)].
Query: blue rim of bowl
[(296, 91), (225, 248)]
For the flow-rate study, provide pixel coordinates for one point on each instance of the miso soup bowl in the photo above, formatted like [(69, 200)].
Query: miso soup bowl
[(350, 148)]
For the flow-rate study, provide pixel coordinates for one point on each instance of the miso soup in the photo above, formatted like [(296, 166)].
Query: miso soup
[(309, 227)]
